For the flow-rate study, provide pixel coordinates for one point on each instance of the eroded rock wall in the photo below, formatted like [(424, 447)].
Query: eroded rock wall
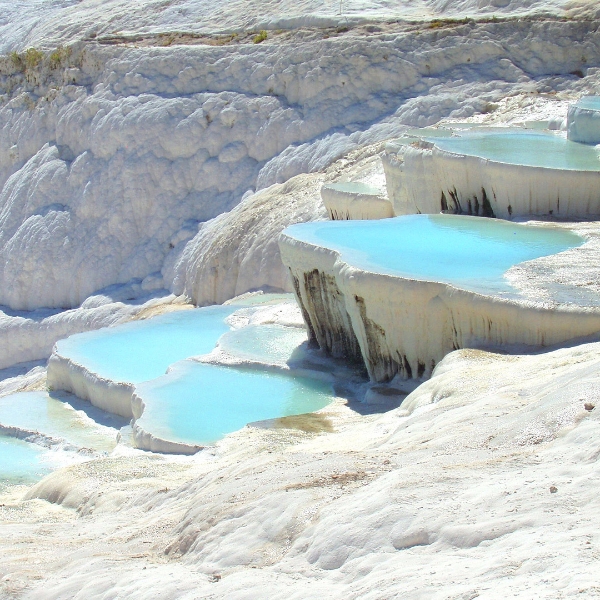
[(426, 179), (405, 327)]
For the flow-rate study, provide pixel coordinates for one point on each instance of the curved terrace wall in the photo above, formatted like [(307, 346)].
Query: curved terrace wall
[(402, 326), (422, 178)]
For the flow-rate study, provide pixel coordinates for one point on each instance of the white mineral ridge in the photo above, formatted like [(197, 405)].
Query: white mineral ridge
[(38, 22), (238, 251), (480, 485), (109, 163)]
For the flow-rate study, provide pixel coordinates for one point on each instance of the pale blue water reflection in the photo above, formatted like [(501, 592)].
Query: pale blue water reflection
[(143, 350), (518, 147), (20, 462), (272, 344), (37, 411), (200, 403), (470, 252)]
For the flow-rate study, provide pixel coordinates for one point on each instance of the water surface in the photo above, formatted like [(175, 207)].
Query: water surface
[(20, 462), (271, 344), (470, 252), (523, 147), (37, 411), (142, 350), (201, 403), (589, 102)]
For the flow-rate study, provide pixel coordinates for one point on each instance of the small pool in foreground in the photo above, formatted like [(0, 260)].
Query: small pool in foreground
[(20, 462), (522, 147), (200, 403), (271, 344), (470, 252), (37, 411)]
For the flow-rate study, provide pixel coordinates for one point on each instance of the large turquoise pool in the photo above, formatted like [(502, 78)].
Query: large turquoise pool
[(522, 147), (469, 252), (142, 350), (200, 403)]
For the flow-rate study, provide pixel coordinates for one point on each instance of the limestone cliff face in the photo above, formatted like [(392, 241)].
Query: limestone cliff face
[(405, 327), (425, 179)]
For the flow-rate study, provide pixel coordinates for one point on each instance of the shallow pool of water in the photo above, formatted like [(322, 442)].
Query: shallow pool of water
[(142, 350), (470, 252), (37, 411), (519, 147), (21, 462), (200, 403), (589, 102), (272, 344)]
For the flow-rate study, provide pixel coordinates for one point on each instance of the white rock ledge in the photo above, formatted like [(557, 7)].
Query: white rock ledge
[(583, 122), (423, 178), (147, 441), (400, 326), (70, 376), (346, 203)]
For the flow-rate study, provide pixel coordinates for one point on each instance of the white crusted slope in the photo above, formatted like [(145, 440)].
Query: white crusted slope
[(485, 491), (113, 158)]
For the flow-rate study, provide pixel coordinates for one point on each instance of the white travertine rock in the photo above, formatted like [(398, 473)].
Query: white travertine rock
[(423, 178), (238, 251), (401, 326), (583, 122), (353, 200), (484, 467), (48, 24), (113, 157)]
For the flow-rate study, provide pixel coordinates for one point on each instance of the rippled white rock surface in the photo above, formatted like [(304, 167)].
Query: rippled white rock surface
[(112, 159)]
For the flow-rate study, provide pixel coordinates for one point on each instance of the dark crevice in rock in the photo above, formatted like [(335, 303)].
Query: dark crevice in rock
[(326, 313), (487, 207), (312, 338), (380, 364)]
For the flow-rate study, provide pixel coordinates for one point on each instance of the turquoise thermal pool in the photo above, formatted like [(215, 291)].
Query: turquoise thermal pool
[(37, 411), (21, 462), (470, 252), (142, 350), (200, 403), (272, 344), (522, 147)]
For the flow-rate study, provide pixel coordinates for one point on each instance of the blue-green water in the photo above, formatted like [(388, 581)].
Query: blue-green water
[(470, 252), (143, 350), (589, 102), (37, 411), (20, 462), (272, 344), (200, 403), (518, 147)]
